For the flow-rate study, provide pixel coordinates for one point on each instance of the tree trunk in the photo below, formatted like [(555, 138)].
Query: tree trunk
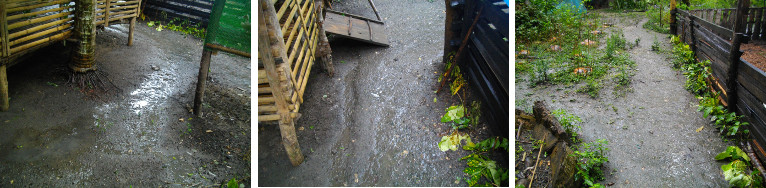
[(83, 58), (324, 52)]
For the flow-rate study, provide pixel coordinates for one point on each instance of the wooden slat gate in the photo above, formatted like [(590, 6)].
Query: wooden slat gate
[(28, 25)]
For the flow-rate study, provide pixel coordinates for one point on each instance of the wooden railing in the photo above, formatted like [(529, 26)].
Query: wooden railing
[(754, 18)]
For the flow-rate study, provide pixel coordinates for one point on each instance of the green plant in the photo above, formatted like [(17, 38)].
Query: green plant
[(590, 160), (591, 88), (479, 166), (615, 42), (627, 4), (488, 144), (456, 117), (569, 122), (725, 120), (452, 141), (736, 171), (656, 44)]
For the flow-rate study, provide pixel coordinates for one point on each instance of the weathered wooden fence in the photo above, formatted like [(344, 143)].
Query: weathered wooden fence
[(754, 20), (484, 61), (710, 34), (197, 11)]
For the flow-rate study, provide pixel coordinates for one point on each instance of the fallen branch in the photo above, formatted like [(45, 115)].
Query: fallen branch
[(537, 162)]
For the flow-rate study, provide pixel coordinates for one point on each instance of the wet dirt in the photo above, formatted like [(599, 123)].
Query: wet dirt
[(651, 130), (754, 54), (141, 134), (375, 123)]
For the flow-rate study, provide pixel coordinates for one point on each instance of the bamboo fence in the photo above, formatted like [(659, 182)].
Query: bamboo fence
[(28, 25)]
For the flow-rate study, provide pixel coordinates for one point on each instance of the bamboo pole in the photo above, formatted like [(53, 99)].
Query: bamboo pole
[(107, 9), (12, 8), (37, 28), (204, 66), (57, 37), (4, 97), (39, 34), (83, 59), (323, 51), (36, 13), (286, 126), (4, 52), (130, 33)]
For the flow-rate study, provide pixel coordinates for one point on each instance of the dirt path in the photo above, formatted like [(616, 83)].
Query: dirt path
[(651, 131), (375, 123), (53, 136)]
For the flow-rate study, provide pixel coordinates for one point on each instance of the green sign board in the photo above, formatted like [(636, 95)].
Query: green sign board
[(229, 26)]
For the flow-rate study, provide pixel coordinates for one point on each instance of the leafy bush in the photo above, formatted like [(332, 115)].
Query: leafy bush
[(456, 117), (590, 158), (627, 4), (534, 19), (569, 122), (736, 171), (616, 41)]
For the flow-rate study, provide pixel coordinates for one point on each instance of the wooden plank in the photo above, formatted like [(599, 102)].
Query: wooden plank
[(336, 23), (755, 107), (378, 32), (757, 27), (359, 29), (718, 30), (752, 79)]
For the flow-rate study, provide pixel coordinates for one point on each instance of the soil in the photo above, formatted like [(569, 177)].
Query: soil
[(141, 134), (755, 53), (651, 130), (526, 160), (375, 123)]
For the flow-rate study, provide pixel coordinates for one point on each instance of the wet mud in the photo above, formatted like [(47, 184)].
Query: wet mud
[(141, 134)]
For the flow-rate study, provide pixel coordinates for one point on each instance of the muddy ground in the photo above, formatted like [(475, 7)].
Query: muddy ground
[(651, 130), (141, 134), (375, 123)]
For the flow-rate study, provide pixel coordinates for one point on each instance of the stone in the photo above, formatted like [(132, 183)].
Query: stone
[(563, 166)]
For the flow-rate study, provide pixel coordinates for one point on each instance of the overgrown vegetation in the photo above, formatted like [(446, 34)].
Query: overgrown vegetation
[(697, 75), (590, 159), (569, 55), (569, 121)]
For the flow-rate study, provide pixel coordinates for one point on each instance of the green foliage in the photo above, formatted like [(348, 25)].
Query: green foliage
[(569, 122), (184, 27), (479, 166), (659, 16), (613, 43), (590, 159), (728, 122), (456, 117), (452, 141), (591, 88), (734, 153), (627, 4), (736, 171), (487, 145), (534, 18)]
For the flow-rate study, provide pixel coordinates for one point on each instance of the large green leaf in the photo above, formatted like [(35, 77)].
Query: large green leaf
[(734, 153), (451, 142), (453, 113)]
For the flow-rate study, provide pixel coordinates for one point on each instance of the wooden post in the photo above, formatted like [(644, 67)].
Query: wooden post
[(4, 97), (449, 34), (204, 66), (130, 33), (324, 52), (106, 13), (286, 126), (673, 17), (734, 54)]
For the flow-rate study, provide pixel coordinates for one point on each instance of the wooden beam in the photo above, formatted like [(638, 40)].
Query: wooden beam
[(286, 124), (4, 97), (734, 53)]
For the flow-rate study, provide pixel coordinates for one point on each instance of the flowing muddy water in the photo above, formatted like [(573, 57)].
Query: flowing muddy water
[(141, 134), (651, 131)]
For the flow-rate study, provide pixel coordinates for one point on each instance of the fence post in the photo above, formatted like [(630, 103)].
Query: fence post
[(673, 18), (734, 54)]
